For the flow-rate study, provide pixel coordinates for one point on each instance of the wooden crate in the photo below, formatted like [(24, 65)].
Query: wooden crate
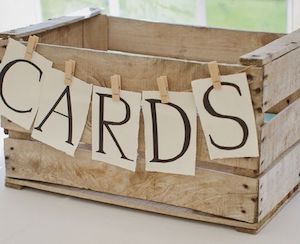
[(241, 192)]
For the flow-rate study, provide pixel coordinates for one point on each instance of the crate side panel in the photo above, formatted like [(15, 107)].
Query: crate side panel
[(280, 134), (282, 79), (140, 72), (276, 183), (185, 42), (209, 191)]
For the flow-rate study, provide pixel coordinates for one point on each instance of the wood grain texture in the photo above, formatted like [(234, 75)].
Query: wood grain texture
[(139, 204), (282, 79), (284, 103), (273, 50), (280, 134), (70, 35), (209, 191), (95, 33), (155, 207), (52, 24), (278, 181), (139, 73), (184, 42)]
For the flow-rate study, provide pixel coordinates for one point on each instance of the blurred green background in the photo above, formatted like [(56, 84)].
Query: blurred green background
[(256, 15)]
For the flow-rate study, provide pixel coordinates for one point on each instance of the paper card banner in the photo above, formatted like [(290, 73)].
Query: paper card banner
[(227, 117), (20, 84), (170, 132), (115, 127), (62, 112)]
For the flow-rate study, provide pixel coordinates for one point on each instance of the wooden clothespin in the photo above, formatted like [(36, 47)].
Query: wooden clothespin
[(115, 81), (163, 87), (214, 74), (69, 71), (31, 46)]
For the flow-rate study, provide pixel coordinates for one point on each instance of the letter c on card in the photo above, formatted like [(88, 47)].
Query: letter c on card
[(2, 76)]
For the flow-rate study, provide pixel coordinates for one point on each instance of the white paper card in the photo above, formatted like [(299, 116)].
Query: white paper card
[(227, 117), (62, 112), (115, 127), (21, 82), (170, 132)]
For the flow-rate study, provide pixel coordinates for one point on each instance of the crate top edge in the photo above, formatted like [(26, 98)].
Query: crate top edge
[(52, 23)]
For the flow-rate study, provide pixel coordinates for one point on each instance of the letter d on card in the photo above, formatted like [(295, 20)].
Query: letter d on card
[(170, 132), (227, 117)]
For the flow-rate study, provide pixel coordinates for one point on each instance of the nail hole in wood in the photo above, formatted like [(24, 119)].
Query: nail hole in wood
[(243, 211), (6, 157), (262, 162), (13, 168), (288, 101), (261, 199), (253, 199), (257, 90), (259, 110), (245, 186), (11, 148), (249, 77)]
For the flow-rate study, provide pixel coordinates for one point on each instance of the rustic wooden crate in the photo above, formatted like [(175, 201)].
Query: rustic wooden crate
[(241, 192)]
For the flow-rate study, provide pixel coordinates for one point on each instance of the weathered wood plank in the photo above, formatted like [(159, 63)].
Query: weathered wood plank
[(95, 33), (273, 50), (284, 103), (280, 134), (139, 204), (70, 35), (140, 72), (240, 166), (52, 24), (279, 180), (282, 79), (184, 42), (209, 191)]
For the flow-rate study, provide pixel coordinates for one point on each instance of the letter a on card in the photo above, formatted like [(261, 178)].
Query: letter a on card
[(170, 132), (62, 112), (227, 116), (115, 127), (20, 84)]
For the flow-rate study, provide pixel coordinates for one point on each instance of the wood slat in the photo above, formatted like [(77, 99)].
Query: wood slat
[(280, 134), (95, 33), (273, 50), (70, 35), (282, 79), (184, 42), (52, 24), (276, 183), (209, 191), (140, 72), (139, 204)]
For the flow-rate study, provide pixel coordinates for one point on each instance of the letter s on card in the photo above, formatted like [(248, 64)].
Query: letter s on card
[(227, 117)]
